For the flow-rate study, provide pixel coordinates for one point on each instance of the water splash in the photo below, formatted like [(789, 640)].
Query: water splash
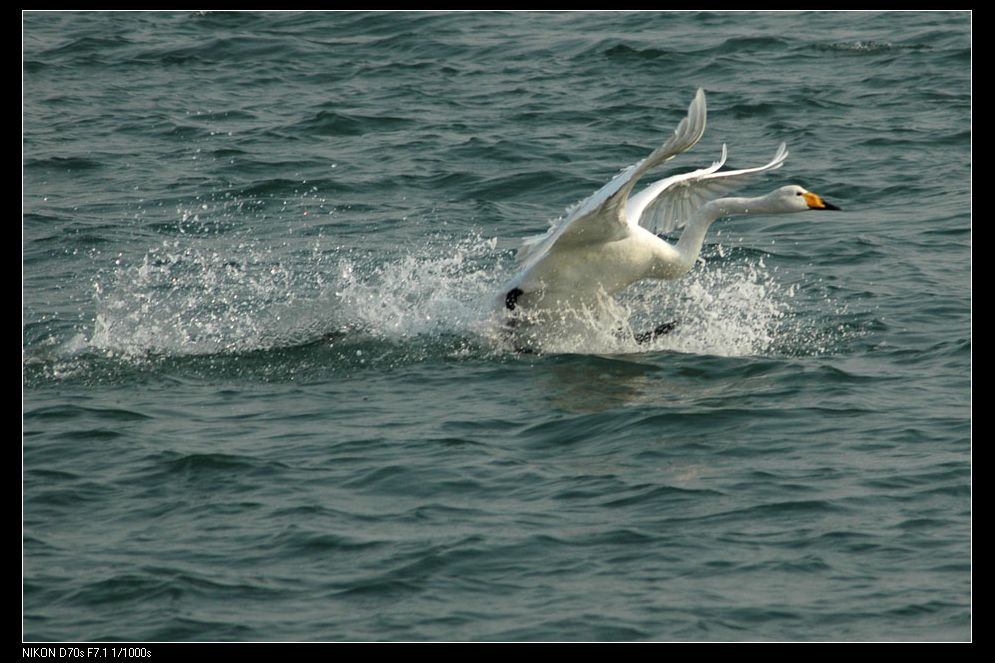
[(195, 296), (734, 309), (731, 309), (190, 297), (445, 290)]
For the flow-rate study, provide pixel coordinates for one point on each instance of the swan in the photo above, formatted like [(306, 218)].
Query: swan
[(610, 240)]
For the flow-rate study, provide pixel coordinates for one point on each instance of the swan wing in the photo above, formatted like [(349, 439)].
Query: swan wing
[(602, 217), (669, 203)]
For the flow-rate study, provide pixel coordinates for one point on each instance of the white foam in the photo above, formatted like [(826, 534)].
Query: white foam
[(439, 289), (738, 309), (190, 297)]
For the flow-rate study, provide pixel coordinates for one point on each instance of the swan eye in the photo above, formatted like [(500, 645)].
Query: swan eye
[(798, 193)]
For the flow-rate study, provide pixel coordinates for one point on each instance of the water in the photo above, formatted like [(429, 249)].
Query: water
[(263, 398)]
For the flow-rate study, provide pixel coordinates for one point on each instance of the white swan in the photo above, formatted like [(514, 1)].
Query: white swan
[(609, 241)]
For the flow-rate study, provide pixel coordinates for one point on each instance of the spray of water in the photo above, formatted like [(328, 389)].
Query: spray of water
[(185, 298), (194, 297), (445, 291), (736, 309)]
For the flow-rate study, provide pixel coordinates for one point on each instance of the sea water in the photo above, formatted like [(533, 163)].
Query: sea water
[(262, 393)]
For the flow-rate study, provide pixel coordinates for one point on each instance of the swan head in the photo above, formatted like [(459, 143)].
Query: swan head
[(793, 198)]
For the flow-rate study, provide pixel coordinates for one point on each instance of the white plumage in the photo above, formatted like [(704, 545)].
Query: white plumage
[(609, 241)]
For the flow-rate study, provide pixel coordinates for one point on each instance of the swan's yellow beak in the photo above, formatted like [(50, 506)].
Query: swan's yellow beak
[(816, 202)]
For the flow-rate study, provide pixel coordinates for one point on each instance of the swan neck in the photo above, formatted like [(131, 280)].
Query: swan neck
[(693, 237), (740, 205)]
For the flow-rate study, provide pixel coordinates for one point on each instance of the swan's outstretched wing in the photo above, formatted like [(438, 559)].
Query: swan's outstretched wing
[(602, 217), (668, 203)]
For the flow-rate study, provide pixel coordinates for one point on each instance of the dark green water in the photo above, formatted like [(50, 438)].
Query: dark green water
[(263, 400)]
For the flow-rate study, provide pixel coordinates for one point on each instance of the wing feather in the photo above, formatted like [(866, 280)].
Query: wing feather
[(669, 203), (602, 216)]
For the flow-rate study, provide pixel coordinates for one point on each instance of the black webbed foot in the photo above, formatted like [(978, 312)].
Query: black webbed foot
[(511, 299), (658, 331)]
